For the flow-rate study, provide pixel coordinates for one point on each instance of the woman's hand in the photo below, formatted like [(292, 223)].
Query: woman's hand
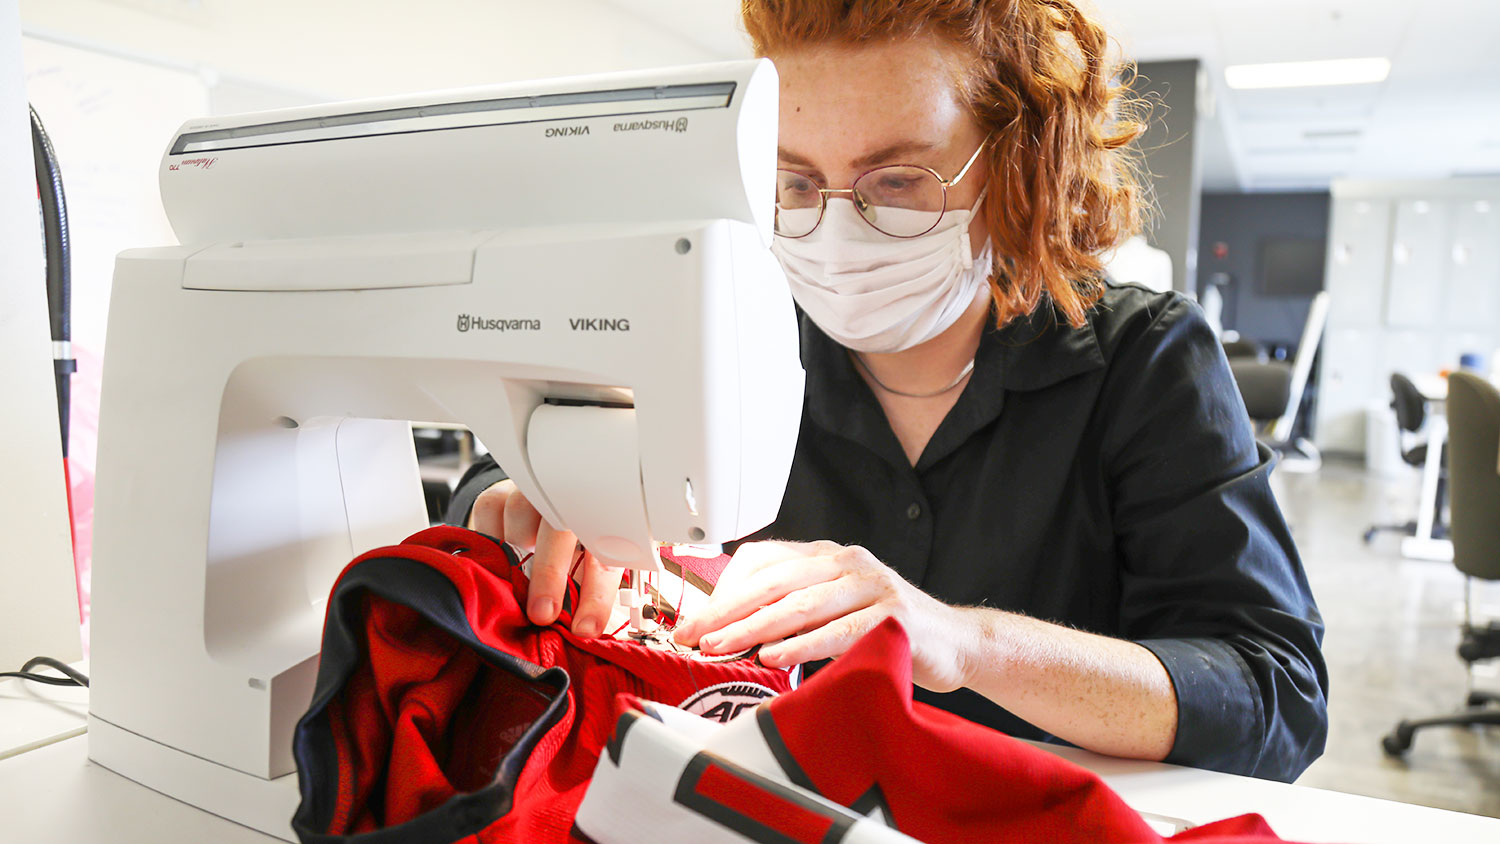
[(821, 597), (504, 513)]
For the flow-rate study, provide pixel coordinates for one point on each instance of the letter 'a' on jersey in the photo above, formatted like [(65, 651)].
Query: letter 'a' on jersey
[(849, 757), (441, 715)]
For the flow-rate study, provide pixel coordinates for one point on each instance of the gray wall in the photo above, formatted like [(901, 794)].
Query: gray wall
[(1241, 222), (1171, 147)]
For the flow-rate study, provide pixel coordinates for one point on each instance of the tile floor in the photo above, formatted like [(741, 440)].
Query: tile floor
[(1392, 634)]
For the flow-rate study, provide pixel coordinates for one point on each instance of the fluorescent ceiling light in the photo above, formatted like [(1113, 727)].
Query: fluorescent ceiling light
[(1308, 74)]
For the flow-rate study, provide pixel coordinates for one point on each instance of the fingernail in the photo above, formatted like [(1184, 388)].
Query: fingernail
[(587, 628), (543, 610), (708, 644)]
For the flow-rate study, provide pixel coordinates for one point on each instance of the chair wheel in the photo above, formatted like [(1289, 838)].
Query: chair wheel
[(1398, 741), (1369, 536), (1477, 699)]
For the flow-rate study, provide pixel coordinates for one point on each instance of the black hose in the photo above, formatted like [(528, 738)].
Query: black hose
[(59, 267)]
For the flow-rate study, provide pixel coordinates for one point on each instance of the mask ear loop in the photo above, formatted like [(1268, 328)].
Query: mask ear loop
[(968, 248), (983, 192)]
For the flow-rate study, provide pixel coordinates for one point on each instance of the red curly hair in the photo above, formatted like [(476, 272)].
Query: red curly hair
[(1037, 75)]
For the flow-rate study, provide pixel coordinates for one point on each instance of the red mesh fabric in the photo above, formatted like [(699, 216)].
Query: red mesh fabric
[(425, 717), (854, 731), (702, 572)]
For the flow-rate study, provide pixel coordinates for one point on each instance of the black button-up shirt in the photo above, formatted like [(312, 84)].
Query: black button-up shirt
[(1105, 478)]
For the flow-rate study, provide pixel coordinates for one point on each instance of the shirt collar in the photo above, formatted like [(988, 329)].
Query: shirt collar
[(1030, 353)]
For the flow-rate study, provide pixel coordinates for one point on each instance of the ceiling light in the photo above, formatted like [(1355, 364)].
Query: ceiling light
[(1308, 74), (1330, 134)]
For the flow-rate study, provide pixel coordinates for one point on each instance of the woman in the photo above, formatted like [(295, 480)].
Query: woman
[(1049, 480)]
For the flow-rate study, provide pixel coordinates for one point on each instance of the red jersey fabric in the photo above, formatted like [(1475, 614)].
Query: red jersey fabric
[(442, 715), (939, 776), (849, 757), (702, 572)]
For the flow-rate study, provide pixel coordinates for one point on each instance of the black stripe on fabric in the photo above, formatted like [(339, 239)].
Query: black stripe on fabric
[(413, 584), (872, 801), (617, 741), (779, 749)]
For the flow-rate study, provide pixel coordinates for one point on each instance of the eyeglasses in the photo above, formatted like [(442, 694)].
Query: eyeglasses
[(901, 200)]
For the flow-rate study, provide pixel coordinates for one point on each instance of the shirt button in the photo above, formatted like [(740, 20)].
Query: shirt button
[(914, 512)]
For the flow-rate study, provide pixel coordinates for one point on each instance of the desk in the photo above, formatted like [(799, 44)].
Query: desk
[(34, 715), (1296, 812), (54, 794)]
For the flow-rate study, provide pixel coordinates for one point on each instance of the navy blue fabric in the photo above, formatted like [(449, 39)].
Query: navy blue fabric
[(1104, 478), (424, 589)]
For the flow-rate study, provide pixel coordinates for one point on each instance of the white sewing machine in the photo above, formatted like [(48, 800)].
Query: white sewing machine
[(576, 269)]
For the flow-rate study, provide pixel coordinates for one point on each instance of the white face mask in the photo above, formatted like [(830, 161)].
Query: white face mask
[(875, 293)]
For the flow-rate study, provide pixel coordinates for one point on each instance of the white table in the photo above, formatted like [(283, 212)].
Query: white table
[(1295, 812), (52, 793), (34, 715)]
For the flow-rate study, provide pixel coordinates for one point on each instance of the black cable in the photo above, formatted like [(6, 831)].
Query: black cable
[(73, 678), (59, 266)]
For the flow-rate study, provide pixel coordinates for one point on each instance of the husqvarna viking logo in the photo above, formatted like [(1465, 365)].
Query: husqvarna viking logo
[(470, 322), (596, 324), (678, 125)]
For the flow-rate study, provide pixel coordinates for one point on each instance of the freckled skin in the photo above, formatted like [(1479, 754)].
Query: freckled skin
[(839, 102)]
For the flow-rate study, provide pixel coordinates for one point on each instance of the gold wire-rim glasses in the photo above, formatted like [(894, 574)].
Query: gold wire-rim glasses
[(860, 204)]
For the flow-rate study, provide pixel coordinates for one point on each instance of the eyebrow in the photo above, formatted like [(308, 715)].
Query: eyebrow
[(879, 156)]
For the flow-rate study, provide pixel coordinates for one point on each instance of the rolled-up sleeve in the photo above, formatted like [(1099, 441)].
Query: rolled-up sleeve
[(480, 476), (1211, 581)]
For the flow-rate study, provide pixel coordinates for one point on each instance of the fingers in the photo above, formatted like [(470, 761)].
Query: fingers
[(803, 609), (504, 513), (599, 588), (762, 588), (752, 557), (830, 640), (487, 514), (550, 565)]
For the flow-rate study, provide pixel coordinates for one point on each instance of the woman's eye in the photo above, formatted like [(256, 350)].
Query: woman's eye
[(896, 184), (798, 186)]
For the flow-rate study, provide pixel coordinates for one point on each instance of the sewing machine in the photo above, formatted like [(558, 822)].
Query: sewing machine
[(576, 269)]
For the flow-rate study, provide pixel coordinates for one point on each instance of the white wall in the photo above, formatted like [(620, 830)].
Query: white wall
[(38, 605), (109, 118), (360, 48), (1414, 278)]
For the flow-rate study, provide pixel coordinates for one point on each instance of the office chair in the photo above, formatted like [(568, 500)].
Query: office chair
[(1244, 348), (1474, 439), (1265, 386), (1411, 414)]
